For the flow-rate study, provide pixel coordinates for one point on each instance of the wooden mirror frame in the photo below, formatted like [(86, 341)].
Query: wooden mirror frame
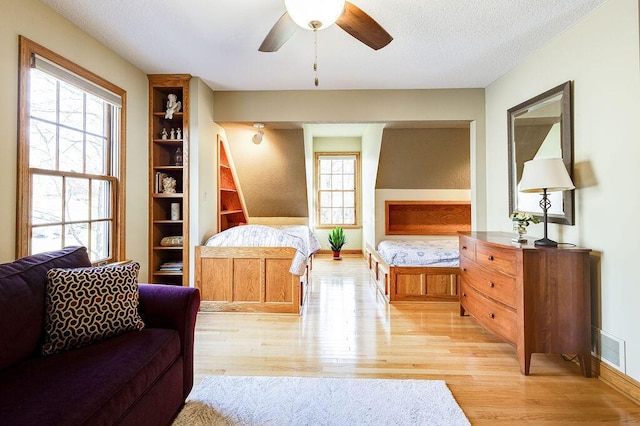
[(566, 145)]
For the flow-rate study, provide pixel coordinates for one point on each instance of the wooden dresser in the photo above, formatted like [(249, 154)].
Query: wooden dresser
[(538, 299)]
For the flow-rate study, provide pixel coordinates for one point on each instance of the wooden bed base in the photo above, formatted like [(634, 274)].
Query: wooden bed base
[(248, 279), (412, 283)]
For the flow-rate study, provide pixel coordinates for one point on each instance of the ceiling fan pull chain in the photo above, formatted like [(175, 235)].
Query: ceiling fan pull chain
[(315, 55)]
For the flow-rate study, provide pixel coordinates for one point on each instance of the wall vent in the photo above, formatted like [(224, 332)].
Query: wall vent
[(608, 348)]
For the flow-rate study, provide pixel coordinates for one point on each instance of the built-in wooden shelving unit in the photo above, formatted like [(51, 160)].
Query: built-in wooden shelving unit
[(168, 157), (427, 217), (231, 207)]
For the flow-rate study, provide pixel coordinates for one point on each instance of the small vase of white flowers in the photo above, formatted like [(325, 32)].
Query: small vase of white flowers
[(520, 222)]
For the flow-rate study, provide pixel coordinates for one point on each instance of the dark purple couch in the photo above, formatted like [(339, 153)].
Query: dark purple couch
[(140, 377)]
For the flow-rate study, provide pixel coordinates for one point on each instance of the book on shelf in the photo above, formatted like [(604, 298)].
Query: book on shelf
[(171, 267), (158, 182)]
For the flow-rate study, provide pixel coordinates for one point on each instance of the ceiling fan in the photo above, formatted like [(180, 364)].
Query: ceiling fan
[(317, 15)]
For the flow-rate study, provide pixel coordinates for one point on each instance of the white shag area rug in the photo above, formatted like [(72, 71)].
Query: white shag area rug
[(240, 400)]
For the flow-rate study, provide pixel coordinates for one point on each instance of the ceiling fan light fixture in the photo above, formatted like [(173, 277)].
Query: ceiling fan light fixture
[(308, 13)]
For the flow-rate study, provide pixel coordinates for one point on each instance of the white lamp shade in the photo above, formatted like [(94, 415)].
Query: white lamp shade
[(545, 173), (305, 11)]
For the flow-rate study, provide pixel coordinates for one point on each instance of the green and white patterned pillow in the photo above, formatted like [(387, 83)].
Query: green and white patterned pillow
[(85, 305)]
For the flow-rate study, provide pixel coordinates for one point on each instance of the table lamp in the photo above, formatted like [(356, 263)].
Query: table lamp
[(544, 175)]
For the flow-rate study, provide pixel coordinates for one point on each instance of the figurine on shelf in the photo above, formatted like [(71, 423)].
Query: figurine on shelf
[(164, 134), (168, 185), (178, 133), (173, 105), (178, 157), (172, 134)]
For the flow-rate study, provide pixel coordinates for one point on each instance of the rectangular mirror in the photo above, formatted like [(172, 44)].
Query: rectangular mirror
[(541, 128)]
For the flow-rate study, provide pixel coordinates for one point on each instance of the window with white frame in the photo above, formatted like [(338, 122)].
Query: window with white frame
[(70, 157), (337, 195)]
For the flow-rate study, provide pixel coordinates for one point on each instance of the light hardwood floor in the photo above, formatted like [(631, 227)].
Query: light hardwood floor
[(346, 330)]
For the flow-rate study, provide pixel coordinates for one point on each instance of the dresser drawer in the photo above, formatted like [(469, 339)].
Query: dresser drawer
[(493, 284), (501, 259), (490, 314), (467, 248)]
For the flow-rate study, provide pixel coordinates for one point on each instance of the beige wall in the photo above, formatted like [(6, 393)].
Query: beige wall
[(371, 144), (203, 158), (424, 159), (421, 164), (601, 56), (37, 22), (351, 106), (271, 174)]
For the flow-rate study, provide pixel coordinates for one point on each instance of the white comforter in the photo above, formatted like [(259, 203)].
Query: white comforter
[(303, 233), (420, 252), (299, 237)]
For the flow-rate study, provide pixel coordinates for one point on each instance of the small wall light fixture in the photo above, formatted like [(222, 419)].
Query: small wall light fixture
[(544, 175), (257, 138)]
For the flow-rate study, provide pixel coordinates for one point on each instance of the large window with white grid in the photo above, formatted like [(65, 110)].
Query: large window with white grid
[(337, 189), (70, 144)]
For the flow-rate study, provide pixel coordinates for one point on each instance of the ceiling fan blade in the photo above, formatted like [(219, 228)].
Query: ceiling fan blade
[(279, 34), (363, 27)]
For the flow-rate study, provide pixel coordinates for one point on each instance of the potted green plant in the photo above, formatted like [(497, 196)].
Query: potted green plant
[(336, 241)]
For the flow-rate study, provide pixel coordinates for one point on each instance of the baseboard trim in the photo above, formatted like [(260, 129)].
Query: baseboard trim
[(343, 251), (617, 380)]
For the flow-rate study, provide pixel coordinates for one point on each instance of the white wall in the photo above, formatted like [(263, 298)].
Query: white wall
[(39, 23), (601, 56)]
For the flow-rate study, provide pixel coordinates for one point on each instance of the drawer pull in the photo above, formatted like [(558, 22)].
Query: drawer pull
[(490, 257), (464, 247), (464, 269), (492, 285), (491, 315), (464, 294)]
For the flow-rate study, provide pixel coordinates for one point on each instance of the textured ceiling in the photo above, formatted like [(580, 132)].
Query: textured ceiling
[(437, 43)]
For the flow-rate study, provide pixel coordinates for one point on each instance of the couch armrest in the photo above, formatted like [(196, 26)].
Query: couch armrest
[(173, 307)]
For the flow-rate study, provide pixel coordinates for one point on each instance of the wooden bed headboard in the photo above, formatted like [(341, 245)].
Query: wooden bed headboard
[(426, 217)]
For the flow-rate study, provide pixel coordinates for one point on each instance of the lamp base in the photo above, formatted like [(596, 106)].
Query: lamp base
[(545, 242)]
